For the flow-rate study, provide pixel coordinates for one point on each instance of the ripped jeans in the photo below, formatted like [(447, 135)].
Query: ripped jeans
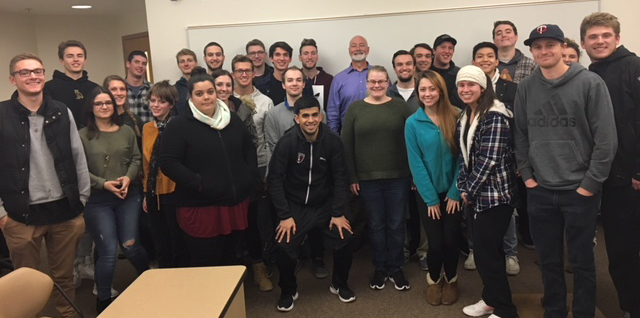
[(113, 222)]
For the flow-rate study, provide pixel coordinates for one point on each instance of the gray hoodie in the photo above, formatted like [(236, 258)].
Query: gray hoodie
[(565, 134)]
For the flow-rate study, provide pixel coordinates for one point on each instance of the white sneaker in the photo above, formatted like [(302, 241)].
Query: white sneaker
[(513, 266), (494, 316), (114, 293), (85, 271), (470, 263), (478, 309)]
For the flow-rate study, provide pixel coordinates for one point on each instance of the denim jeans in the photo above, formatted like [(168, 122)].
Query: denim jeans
[(552, 215), (386, 203), (112, 222), (511, 238)]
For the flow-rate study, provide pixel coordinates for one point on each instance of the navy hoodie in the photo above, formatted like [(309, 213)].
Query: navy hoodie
[(70, 92)]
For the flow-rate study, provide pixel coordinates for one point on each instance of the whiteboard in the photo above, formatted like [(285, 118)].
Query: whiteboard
[(387, 33)]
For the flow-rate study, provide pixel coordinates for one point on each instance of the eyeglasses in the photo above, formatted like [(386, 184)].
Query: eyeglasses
[(256, 53), (240, 72), (374, 83), (101, 104), (27, 73)]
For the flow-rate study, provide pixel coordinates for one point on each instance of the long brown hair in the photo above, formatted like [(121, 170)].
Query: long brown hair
[(105, 84), (447, 114)]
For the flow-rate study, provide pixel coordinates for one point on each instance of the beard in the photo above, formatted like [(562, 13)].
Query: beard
[(405, 79), (358, 57)]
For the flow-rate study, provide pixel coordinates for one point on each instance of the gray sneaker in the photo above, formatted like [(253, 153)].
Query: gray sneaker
[(422, 261)]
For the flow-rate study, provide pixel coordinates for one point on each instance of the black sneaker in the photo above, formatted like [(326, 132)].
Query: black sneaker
[(377, 282), (399, 281), (345, 294), (285, 303), (319, 270)]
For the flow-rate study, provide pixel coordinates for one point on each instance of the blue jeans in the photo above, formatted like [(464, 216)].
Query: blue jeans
[(112, 222), (552, 215), (511, 238), (386, 201)]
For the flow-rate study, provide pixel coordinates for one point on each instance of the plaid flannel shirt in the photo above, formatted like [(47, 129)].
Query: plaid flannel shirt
[(139, 104), (489, 178), (524, 68)]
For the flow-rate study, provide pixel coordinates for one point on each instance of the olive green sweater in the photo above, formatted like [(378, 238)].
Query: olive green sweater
[(111, 155), (373, 137)]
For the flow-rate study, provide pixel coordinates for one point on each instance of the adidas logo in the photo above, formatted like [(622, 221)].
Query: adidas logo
[(553, 113)]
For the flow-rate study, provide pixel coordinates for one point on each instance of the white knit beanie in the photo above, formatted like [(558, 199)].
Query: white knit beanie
[(472, 73)]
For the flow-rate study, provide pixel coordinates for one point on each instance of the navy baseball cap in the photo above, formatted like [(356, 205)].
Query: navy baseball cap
[(444, 38), (545, 31)]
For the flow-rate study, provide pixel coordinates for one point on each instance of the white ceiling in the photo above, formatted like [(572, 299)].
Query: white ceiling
[(63, 7)]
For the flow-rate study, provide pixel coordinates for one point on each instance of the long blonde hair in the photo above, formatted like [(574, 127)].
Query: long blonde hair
[(447, 114)]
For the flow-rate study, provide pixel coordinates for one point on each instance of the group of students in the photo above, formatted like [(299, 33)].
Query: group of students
[(214, 179)]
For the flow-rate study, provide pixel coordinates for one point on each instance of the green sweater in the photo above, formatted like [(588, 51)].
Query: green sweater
[(373, 137), (111, 155)]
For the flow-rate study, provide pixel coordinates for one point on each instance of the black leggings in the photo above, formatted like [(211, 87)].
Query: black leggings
[(443, 237)]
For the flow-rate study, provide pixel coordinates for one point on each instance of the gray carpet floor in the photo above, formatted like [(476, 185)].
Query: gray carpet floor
[(316, 301)]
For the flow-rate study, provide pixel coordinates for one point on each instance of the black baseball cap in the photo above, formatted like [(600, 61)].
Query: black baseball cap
[(545, 31), (444, 38)]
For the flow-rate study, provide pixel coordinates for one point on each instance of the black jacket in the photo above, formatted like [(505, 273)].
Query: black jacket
[(210, 167), (621, 72), (308, 173), (449, 75), (506, 92), (15, 148), (71, 93), (182, 105)]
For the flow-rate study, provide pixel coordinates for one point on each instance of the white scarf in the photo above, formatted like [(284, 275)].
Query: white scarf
[(494, 80), (220, 119)]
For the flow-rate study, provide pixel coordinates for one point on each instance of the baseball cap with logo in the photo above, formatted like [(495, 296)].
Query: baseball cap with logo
[(545, 31), (444, 38)]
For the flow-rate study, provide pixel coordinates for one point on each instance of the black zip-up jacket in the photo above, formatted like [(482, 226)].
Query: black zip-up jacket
[(449, 75), (71, 93), (15, 148), (210, 167), (621, 72), (308, 173)]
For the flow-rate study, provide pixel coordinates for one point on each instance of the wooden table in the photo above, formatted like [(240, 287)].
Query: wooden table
[(183, 292)]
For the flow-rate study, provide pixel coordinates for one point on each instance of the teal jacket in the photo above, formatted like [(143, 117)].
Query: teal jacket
[(433, 166)]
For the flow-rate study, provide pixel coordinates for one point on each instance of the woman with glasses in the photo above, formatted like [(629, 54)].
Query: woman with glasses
[(373, 136), (113, 209)]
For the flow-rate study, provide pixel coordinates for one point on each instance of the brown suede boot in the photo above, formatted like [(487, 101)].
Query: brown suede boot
[(434, 291), (450, 291), (261, 277)]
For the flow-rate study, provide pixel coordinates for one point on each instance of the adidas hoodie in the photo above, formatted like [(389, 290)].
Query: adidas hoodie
[(565, 134)]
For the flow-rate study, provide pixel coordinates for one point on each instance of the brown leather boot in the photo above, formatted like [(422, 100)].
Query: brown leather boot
[(450, 291), (261, 277), (434, 291)]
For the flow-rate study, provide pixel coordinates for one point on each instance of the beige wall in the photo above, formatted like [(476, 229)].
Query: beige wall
[(168, 20), (102, 36), (14, 40)]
